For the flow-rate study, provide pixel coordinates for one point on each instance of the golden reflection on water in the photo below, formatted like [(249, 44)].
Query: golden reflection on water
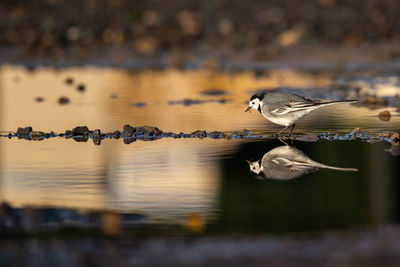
[(164, 179)]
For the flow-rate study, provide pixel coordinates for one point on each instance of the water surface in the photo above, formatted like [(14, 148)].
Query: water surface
[(169, 180)]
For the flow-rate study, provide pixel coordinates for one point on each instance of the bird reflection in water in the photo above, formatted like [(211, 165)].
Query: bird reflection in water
[(287, 162)]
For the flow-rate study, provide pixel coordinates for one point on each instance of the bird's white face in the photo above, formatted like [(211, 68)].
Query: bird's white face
[(255, 104), (255, 167)]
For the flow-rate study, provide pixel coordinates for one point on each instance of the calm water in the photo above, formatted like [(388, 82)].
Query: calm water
[(169, 180)]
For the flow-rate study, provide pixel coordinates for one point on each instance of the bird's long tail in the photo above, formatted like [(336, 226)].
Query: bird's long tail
[(336, 102), (339, 169)]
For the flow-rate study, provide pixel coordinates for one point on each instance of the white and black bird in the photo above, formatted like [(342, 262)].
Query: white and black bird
[(285, 163), (286, 108)]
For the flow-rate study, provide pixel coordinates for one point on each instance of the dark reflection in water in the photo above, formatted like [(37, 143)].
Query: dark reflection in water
[(286, 162), (320, 201)]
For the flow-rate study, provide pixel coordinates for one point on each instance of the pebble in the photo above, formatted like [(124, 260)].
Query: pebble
[(69, 81), (63, 100), (384, 115), (81, 88)]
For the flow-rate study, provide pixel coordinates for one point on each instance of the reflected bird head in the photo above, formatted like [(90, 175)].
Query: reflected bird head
[(255, 166)]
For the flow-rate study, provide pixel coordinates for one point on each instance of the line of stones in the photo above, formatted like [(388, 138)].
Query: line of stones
[(149, 133)]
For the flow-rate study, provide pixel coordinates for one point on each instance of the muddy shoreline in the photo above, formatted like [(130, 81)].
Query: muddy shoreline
[(353, 248)]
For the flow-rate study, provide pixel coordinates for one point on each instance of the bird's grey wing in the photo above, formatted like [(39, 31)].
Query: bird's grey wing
[(293, 106), (293, 166)]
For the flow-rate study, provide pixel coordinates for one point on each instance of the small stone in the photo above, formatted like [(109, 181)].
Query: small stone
[(81, 88), (63, 100), (96, 137), (114, 95), (169, 134), (128, 140), (39, 99), (200, 134), (395, 139), (384, 115), (128, 131), (116, 134), (24, 133), (38, 136), (151, 130), (80, 133), (69, 81)]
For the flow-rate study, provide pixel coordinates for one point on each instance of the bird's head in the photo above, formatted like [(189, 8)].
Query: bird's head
[(255, 166), (255, 101)]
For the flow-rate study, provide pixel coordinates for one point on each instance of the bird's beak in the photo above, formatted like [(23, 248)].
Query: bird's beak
[(248, 108)]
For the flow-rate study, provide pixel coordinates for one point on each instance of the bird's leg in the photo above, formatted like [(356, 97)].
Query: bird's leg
[(286, 144), (277, 134), (291, 128)]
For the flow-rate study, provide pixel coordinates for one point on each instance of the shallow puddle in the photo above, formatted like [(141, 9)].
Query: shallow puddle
[(190, 181)]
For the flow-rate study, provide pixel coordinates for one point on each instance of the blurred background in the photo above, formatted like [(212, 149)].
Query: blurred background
[(258, 30)]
